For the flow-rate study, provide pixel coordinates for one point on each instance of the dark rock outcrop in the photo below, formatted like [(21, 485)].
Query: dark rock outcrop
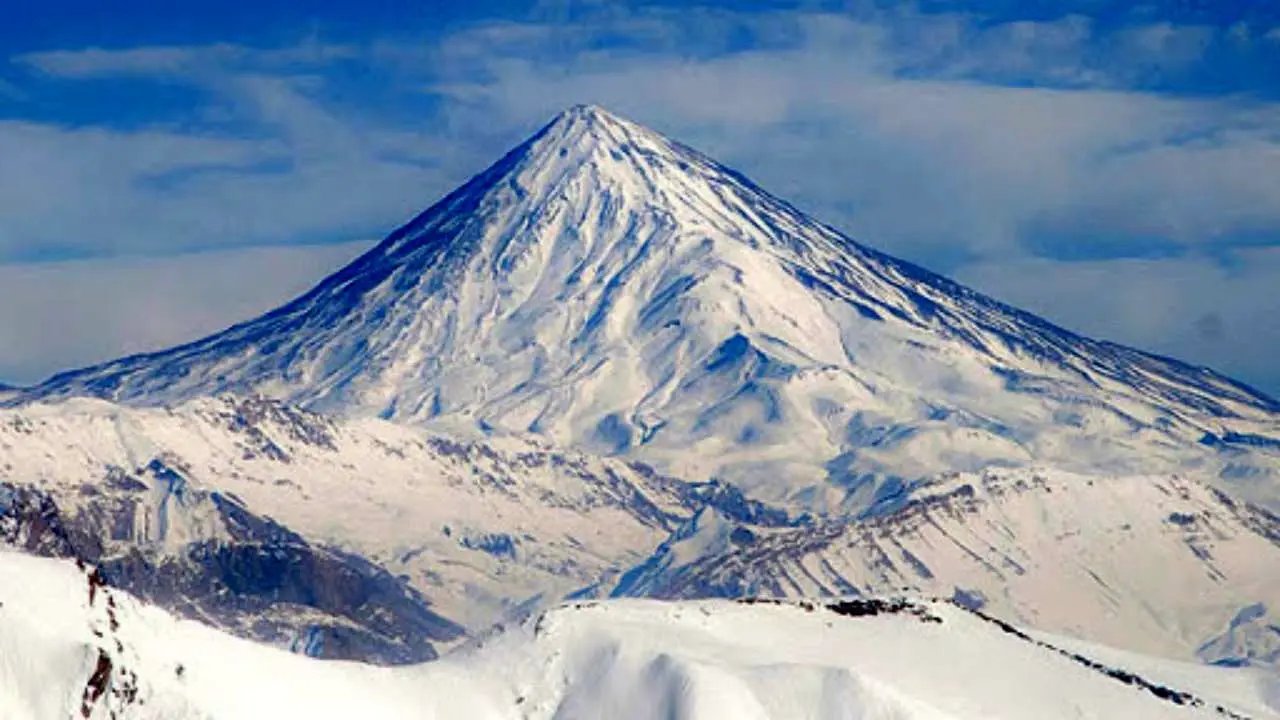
[(257, 578)]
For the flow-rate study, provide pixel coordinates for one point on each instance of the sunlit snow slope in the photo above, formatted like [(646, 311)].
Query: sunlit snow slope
[(69, 648), (1165, 565), (612, 289)]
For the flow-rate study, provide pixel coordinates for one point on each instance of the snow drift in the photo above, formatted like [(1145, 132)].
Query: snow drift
[(70, 648)]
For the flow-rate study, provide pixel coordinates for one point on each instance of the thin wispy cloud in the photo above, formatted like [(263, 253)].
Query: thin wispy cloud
[(182, 62), (299, 174)]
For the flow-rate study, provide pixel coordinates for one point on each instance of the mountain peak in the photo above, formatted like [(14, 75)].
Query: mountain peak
[(598, 121), (588, 121), (586, 112), (613, 289), (591, 135)]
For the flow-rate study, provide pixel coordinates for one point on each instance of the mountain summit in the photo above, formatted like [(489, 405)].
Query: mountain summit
[(613, 289)]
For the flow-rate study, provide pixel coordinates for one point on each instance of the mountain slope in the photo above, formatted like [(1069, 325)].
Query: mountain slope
[(68, 651), (217, 562), (1157, 564), (182, 505), (611, 289), (476, 526)]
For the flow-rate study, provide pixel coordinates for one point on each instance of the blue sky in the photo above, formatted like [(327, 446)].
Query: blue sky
[(1114, 167)]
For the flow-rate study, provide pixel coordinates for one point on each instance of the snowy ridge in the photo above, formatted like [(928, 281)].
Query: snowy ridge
[(488, 529), (251, 577), (476, 526), (92, 652), (611, 289), (1164, 565)]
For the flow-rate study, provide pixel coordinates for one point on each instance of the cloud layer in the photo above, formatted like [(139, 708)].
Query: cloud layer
[(82, 312), (1186, 308)]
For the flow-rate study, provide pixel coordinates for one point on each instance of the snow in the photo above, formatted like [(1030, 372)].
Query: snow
[(489, 527), (1251, 636), (1157, 564), (603, 295), (630, 660), (417, 502), (1255, 690), (612, 290)]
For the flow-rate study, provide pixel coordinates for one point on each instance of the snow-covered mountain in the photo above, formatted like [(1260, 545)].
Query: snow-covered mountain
[(387, 530), (1164, 565), (337, 538), (608, 364), (610, 289), (69, 648)]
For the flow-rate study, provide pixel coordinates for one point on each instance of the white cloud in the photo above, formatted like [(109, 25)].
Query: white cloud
[(821, 111), (1165, 46), (181, 61), (68, 314), (305, 175)]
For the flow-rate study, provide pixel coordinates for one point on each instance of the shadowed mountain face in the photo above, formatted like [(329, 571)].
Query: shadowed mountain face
[(614, 290), (247, 574), (336, 538), (1158, 564)]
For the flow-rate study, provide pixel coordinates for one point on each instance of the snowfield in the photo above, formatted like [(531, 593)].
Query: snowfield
[(1164, 565), (476, 525), (491, 528), (71, 649)]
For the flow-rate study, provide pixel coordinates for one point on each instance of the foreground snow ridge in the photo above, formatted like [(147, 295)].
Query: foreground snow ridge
[(72, 648)]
